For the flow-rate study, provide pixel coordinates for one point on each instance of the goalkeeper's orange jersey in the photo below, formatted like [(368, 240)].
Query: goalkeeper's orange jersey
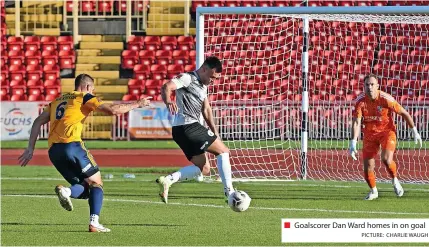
[(377, 114), (67, 115)]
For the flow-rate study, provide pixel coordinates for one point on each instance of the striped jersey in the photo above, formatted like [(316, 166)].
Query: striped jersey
[(190, 96)]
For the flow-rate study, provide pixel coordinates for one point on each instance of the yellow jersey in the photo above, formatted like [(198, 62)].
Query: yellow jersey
[(67, 115)]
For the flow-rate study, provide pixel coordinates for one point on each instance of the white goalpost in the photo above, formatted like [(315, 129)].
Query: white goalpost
[(284, 102)]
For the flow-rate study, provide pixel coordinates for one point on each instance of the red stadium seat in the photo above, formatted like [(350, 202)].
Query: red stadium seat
[(346, 3), (65, 43), (181, 56), (50, 97), (163, 57), (147, 57), (32, 43), (52, 83), (16, 57), (141, 72), (168, 43), (33, 57), (34, 72), (69, 6), (379, 2), (419, 57), (152, 42), (18, 97), (421, 43), (15, 44), (38, 97), (67, 59), (17, 72), (135, 43), (17, 84), (105, 6), (4, 58), (88, 6), (398, 3), (129, 59), (198, 3), (49, 57), (215, 4), (4, 92), (135, 87), (49, 43), (329, 3), (137, 91), (400, 56), (364, 3), (35, 84), (173, 70), (187, 41), (158, 72), (4, 74), (51, 72), (53, 91), (154, 83), (139, 6), (189, 68)]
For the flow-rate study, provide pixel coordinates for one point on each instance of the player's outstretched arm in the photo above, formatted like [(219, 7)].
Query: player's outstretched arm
[(166, 91), (356, 125), (208, 116), (35, 131), (121, 108), (417, 138)]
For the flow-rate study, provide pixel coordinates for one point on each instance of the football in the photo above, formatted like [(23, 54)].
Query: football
[(239, 201)]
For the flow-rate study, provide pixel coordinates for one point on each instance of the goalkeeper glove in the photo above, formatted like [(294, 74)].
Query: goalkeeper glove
[(352, 149), (417, 137)]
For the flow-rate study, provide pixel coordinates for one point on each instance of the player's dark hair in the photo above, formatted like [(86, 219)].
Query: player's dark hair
[(82, 79), (370, 76), (213, 63)]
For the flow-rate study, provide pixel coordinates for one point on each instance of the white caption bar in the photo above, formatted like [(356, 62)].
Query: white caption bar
[(355, 230)]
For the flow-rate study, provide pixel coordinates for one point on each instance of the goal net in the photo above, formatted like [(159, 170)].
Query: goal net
[(258, 102)]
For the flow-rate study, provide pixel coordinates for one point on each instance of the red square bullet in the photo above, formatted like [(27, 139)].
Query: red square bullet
[(286, 225)]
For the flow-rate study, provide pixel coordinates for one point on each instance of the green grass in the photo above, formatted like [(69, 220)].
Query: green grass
[(170, 144), (196, 215)]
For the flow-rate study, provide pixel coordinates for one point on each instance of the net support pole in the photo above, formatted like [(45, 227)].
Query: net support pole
[(200, 39), (305, 102)]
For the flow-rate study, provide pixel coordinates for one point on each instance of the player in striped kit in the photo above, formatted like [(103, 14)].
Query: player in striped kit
[(192, 137)]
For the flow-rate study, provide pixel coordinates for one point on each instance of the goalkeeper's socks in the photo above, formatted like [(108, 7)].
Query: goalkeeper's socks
[(76, 190), (95, 199), (186, 173), (370, 178), (392, 169), (224, 168)]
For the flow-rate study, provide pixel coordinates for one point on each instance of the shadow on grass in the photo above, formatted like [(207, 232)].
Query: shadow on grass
[(72, 224)]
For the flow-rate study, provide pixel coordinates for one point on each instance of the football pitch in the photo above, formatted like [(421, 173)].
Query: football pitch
[(196, 214), (170, 144)]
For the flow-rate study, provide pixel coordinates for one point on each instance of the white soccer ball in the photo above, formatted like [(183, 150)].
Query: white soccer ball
[(239, 201)]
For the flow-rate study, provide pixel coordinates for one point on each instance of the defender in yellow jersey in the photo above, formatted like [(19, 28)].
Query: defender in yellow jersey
[(67, 152)]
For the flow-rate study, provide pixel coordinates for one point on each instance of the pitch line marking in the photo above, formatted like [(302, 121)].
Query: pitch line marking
[(259, 183), (253, 208)]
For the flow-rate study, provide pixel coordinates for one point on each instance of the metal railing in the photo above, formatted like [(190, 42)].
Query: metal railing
[(327, 120)]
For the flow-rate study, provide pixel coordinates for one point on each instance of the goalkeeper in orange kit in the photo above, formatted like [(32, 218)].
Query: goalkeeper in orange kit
[(376, 108)]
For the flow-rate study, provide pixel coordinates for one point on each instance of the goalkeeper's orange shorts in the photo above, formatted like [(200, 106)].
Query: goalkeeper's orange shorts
[(372, 143)]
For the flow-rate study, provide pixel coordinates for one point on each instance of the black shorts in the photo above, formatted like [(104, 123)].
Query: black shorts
[(193, 139)]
